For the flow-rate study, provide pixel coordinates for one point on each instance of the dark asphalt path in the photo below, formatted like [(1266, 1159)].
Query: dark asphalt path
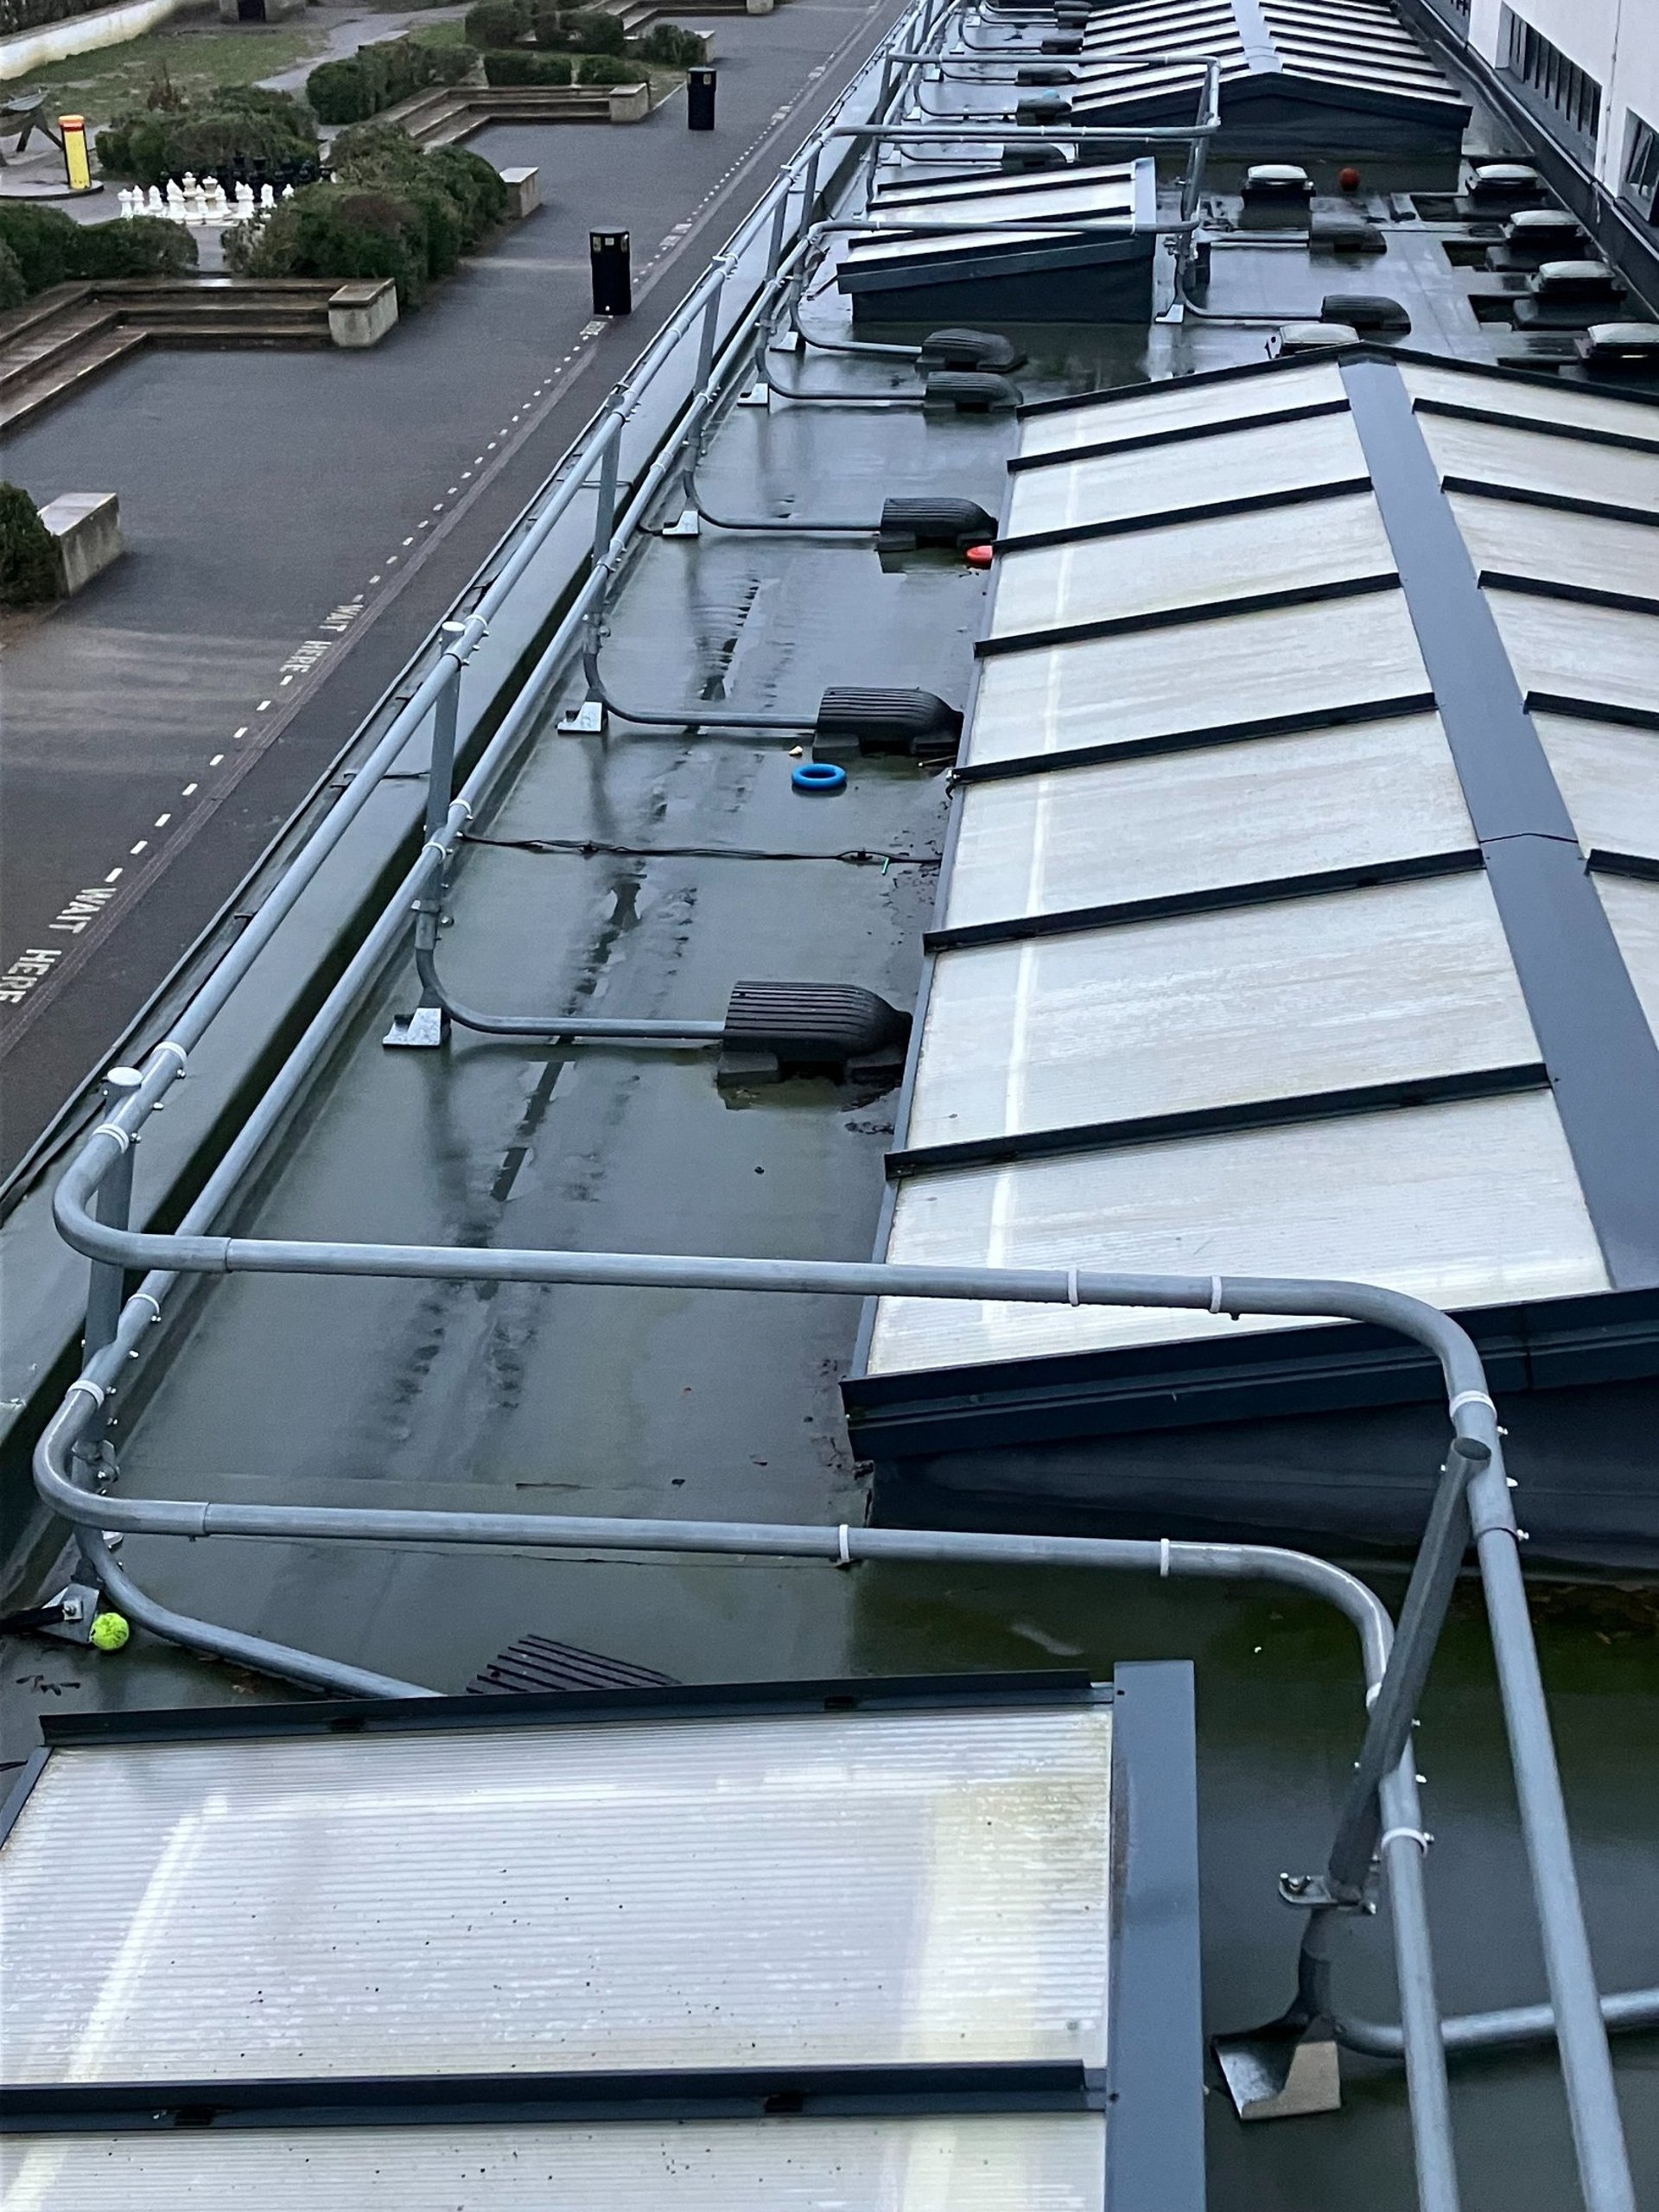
[(296, 523)]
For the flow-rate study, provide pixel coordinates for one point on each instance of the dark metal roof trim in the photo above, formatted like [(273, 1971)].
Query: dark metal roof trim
[(1626, 602), (1642, 866), (1177, 433), (1144, 748), (1212, 899), (1603, 1061), (1398, 1096), (522, 2099), (1589, 710), (1499, 419), (1175, 618), (1041, 1687), (1252, 503), (1565, 503)]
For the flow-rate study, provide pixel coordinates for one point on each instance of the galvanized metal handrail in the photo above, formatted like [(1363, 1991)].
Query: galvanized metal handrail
[(90, 1209)]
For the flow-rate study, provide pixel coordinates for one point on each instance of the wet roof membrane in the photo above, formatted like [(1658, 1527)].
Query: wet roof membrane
[(1266, 940), (1296, 74)]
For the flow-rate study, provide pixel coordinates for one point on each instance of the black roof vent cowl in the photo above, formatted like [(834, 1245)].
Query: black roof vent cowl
[(1371, 314), (1018, 161), (1046, 107), (1045, 73), (1345, 233), (774, 1029), (853, 718), (970, 391), (1061, 42), (910, 525), (956, 348)]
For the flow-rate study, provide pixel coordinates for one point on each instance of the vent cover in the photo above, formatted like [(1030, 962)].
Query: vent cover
[(953, 524), (968, 349), (774, 1029), (918, 723), (1365, 312), (970, 391)]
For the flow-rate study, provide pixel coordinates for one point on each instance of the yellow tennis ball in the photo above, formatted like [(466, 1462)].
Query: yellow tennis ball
[(110, 1631)]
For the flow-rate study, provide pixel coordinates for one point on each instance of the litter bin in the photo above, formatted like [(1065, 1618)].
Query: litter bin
[(700, 99), (610, 253)]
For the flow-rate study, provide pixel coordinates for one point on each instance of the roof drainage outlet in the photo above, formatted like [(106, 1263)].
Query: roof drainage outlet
[(908, 525), (777, 1030), (854, 719), (970, 391), (968, 349), (1372, 314)]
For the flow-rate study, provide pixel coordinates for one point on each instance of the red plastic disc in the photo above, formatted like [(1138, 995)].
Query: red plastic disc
[(979, 557)]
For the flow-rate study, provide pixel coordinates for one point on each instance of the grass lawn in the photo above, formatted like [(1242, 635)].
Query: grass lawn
[(195, 52)]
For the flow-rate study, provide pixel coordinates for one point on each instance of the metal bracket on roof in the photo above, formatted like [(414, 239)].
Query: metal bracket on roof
[(586, 721), (687, 524), (1317, 1893), (758, 395)]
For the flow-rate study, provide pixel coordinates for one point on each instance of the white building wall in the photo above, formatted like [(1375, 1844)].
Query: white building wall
[(1617, 42)]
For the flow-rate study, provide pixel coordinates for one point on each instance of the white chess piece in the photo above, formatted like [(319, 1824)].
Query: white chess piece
[(267, 199), (288, 192), (175, 204), (215, 207), (154, 205), (245, 202), (126, 199)]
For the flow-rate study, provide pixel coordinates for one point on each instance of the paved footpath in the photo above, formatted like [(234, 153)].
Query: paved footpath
[(295, 522)]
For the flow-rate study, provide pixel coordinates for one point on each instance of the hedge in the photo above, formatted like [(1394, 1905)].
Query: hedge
[(40, 247), (391, 212), (239, 130), (493, 24), (34, 15), (377, 77), (29, 552), (606, 69), (669, 46), (527, 68)]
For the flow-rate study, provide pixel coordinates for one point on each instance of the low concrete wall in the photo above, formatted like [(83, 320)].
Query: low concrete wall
[(88, 527), (361, 313), (629, 103), (523, 192), (27, 50)]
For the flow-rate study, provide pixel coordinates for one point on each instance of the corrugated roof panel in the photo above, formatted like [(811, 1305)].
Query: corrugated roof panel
[(1556, 546), (1241, 463), (1013, 2163), (1602, 654), (1315, 659), (1609, 775), (1216, 816), (1399, 982), (1533, 460), (1533, 401), (1187, 564), (834, 1889), (1167, 407), (1409, 1199)]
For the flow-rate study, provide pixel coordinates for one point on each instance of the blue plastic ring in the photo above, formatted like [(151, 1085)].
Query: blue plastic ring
[(818, 776)]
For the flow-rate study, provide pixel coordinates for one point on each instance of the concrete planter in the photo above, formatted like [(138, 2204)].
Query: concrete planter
[(361, 313), (523, 192), (86, 526), (629, 103)]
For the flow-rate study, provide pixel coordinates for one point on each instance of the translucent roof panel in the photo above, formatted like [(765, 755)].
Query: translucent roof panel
[(1181, 406), (1557, 547), (1608, 774), (990, 184), (833, 1889), (1312, 659), (1539, 403), (1283, 1000), (1533, 460), (1632, 907), (1604, 654), (1233, 464), (1187, 564), (1009, 2162), (1224, 814), (1083, 199), (1463, 1204)]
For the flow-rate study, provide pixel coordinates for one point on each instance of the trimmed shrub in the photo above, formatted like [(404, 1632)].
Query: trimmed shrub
[(493, 24), (606, 69), (138, 245), (42, 239), (13, 291), (380, 76), (450, 64), (591, 30), (339, 231), (527, 69), (476, 189), (240, 128), (669, 46), (337, 92), (28, 553)]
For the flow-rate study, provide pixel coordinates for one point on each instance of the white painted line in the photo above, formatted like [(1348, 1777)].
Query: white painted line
[(188, 790), (263, 707), (288, 679), (374, 580), (235, 733), (217, 758), (408, 541), (141, 846), (161, 821), (113, 874)]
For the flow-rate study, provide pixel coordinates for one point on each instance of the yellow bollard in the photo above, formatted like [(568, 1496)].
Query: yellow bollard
[(76, 166)]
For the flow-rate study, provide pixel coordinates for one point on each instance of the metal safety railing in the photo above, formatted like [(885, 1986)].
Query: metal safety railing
[(1380, 1826)]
